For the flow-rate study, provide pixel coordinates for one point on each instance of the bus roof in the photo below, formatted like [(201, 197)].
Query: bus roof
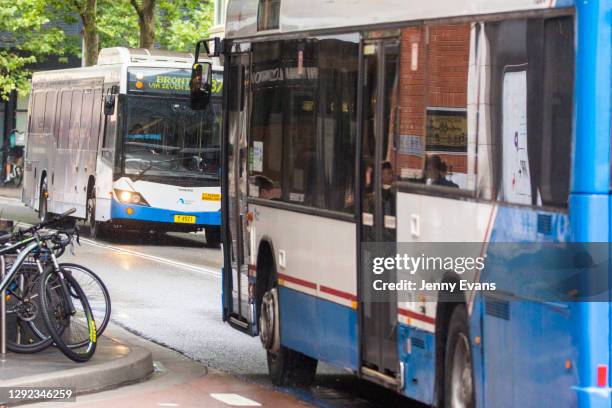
[(300, 15), (112, 64), (123, 55)]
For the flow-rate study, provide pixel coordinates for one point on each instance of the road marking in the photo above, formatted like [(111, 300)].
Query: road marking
[(165, 261), (235, 400)]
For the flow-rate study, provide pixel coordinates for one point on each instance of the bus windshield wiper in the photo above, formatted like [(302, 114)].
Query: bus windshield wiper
[(150, 166), (143, 171)]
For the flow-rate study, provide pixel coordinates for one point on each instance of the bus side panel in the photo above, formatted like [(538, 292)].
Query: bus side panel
[(319, 328), (526, 343), (104, 188), (318, 293), (417, 350), (40, 146)]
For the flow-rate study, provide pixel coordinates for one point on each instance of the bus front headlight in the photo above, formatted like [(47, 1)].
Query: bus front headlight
[(130, 197)]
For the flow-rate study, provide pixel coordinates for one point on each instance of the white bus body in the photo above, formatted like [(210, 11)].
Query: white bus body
[(152, 164)]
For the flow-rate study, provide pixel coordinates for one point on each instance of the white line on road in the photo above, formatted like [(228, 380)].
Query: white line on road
[(193, 268), (235, 400)]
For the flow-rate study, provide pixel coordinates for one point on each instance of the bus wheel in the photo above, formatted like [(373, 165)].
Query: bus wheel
[(43, 212), (213, 236), (458, 368), (286, 367), (95, 227)]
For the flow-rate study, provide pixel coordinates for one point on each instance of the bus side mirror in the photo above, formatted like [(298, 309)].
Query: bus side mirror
[(201, 85), (109, 104)]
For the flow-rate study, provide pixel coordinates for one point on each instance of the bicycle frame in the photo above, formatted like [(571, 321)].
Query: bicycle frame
[(8, 277)]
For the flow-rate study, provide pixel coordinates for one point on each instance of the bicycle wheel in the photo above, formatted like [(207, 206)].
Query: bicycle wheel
[(26, 331), (95, 291), (67, 314)]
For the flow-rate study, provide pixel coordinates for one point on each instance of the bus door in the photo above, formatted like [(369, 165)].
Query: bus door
[(379, 70), (237, 307)]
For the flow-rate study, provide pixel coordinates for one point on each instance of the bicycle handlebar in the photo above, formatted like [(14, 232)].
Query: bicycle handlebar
[(46, 223)]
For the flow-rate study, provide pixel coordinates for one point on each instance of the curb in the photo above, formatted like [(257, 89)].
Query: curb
[(134, 367)]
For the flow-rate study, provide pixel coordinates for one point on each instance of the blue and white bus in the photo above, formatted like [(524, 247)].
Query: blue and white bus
[(119, 142), (348, 123)]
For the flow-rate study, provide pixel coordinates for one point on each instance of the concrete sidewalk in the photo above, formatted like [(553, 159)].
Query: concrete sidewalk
[(180, 382), (115, 363)]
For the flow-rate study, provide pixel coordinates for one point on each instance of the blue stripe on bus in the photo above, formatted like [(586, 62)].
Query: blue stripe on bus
[(319, 328), (142, 213)]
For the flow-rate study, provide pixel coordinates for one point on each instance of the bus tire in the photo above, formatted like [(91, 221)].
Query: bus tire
[(458, 366), (213, 236), (286, 367), (96, 229), (290, 368)]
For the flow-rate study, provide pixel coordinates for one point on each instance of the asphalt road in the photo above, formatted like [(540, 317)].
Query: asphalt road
[(168, 290)]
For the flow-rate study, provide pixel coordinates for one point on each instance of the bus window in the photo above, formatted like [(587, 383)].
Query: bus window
[(75, 119), (96, 119), (50, 111), (304, 98), (337, 120), (86, 119), (39, 110), (435, 146), (531, 86), (64, 122), (268, 14)]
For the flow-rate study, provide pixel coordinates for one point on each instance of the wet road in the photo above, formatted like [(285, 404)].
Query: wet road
[(168, 290)]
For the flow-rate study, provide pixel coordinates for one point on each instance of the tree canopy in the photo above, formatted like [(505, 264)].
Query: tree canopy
[(28, 37), (178, 23)]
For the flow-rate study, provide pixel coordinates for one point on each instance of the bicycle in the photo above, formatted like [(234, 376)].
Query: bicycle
[(69, 324)]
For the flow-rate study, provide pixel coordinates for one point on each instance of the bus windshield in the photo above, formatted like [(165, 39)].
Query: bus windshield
[(165, 138)]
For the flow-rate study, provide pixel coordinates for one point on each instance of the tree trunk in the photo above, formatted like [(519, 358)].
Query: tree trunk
[(146, 22), (90, 33)]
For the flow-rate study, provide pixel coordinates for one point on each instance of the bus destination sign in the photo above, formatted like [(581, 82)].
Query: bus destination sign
[(162, 81)]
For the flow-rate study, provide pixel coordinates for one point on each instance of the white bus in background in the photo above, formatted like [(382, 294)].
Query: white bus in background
[(119, 142)]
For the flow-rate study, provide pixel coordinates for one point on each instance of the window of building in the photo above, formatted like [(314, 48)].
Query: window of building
[(268, 14), (21, 113), (219, 12), (303, 122)]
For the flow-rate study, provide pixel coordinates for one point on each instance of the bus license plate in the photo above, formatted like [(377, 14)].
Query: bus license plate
[(185, 219)]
